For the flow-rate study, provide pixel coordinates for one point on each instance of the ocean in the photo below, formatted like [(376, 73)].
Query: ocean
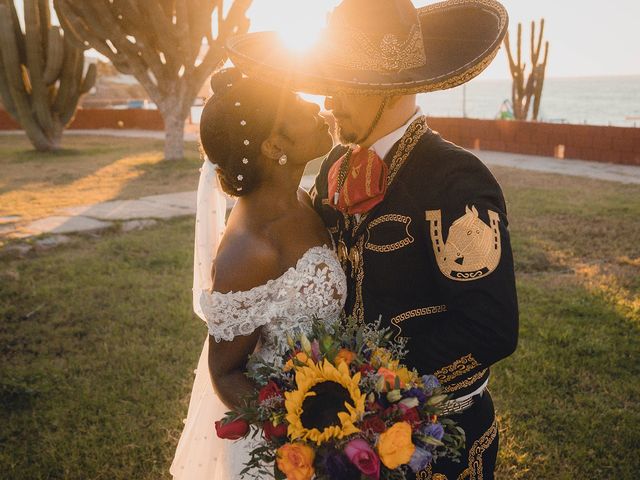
[(590, 100)]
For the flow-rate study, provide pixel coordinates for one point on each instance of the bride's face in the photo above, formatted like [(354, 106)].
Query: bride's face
[(305, 135)]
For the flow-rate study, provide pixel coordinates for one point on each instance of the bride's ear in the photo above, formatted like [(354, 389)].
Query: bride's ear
[(271, 148)]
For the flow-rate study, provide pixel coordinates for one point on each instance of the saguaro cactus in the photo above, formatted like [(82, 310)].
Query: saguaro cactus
[(167, 45), (523, 93), (41, 74)]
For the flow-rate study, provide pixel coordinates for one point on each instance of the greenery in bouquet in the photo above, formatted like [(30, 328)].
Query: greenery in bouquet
[(342, 406)]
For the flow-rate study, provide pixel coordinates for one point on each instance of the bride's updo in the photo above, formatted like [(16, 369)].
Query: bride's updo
[(236, 119)]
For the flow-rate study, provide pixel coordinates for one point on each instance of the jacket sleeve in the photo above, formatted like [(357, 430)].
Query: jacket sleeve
[(469, 256)]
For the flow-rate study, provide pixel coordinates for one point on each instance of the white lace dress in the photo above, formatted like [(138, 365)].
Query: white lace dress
[(314, 289)]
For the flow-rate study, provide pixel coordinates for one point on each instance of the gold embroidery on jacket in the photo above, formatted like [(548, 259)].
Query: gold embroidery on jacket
[(473, 248), (459, 367), (418, 312), (465, 383), (427, 474), (474, 471), (358, 271), (408, 240)]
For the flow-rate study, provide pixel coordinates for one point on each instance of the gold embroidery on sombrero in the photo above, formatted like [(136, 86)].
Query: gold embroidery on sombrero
[(454, 370), (337, 86), (354, 49), (472, 249)]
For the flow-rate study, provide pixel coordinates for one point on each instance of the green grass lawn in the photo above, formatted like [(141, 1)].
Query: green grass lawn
[(89, 169), (98, 344)]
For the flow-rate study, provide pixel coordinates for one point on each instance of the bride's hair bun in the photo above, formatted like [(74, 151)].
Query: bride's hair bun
[(223, 80), (235, 121)]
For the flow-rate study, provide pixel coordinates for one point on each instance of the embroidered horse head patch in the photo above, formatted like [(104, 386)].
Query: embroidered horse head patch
[(472, 248)]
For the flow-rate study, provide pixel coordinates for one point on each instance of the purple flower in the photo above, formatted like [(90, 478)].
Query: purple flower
[(339, 467), (420, 459), (415, 392), (315, 350), (434, 430), (430, 382)]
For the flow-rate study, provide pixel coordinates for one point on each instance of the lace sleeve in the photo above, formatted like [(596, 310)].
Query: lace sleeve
[(314, 289), (241, 313)]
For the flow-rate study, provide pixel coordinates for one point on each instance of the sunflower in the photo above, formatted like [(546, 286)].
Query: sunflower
[(326, 404)]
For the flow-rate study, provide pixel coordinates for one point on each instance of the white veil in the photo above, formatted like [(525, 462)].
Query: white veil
[(198, 452), (211, 208)]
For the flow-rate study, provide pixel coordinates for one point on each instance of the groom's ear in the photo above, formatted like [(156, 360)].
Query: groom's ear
[(271, 148)]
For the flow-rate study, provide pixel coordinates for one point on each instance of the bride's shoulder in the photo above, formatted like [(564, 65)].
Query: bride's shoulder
[(244, 262)]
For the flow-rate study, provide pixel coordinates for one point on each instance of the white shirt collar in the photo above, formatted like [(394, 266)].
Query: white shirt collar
[(384, 144)]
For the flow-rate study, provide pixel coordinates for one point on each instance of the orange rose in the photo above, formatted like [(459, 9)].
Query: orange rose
[(395, 446), (346, 356), (390, 377), (295, 460), (300, 357)]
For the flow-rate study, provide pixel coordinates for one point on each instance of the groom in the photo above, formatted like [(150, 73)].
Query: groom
[(419, 223)]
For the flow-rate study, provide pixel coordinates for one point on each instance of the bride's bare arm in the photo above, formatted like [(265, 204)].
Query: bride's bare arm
[(227, 364), (242, 264)]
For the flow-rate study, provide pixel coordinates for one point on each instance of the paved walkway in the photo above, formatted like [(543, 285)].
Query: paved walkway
[(135, 214), (576, 168)]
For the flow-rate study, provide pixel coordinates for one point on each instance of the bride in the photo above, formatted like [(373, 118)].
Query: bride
[(273, 271)]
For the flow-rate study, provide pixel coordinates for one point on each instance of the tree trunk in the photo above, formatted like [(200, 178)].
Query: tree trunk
[(174, 135)]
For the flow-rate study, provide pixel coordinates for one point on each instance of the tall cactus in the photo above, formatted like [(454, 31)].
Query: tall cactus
[(523, 93), (41, 73), (167, 45)]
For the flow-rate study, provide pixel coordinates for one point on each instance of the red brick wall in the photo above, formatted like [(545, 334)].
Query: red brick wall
[(585, 142), (95, 118)]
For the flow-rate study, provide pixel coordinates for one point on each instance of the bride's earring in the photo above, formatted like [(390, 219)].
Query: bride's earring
[(283, 160)]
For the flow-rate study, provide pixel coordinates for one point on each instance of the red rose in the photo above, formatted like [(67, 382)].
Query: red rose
[(270, 390), (363, 457), (374, 423), (392, 412), (271, 432), (411, 416), (232, 430), (366, 368)]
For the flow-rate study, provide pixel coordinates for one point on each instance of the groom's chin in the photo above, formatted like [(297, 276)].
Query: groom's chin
[(345, 137)]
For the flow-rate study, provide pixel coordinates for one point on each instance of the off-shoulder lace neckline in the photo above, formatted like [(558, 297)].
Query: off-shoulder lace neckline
[(316, 248)]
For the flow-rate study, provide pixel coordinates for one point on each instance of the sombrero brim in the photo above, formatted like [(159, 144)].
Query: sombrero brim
[(461, 38)]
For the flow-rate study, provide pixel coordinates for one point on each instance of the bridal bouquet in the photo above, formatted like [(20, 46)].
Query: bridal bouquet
[(342, 406)]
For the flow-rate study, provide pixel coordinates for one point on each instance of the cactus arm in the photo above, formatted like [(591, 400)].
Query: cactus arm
[(13, 74), (35, 65), (75, 80), (72, 62), (55, 55), (540, 83), (5, 93), (89, 79), (22, 55)]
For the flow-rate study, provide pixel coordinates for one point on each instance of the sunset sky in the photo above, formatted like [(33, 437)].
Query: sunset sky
[(587, 37)]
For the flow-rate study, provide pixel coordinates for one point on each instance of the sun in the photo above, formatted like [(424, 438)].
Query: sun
[(298, 22)]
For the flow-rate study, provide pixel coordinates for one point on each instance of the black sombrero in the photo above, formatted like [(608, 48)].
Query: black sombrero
[(382, 47)]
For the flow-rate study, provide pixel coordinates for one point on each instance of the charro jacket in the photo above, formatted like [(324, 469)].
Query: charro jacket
[(433, 259)]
